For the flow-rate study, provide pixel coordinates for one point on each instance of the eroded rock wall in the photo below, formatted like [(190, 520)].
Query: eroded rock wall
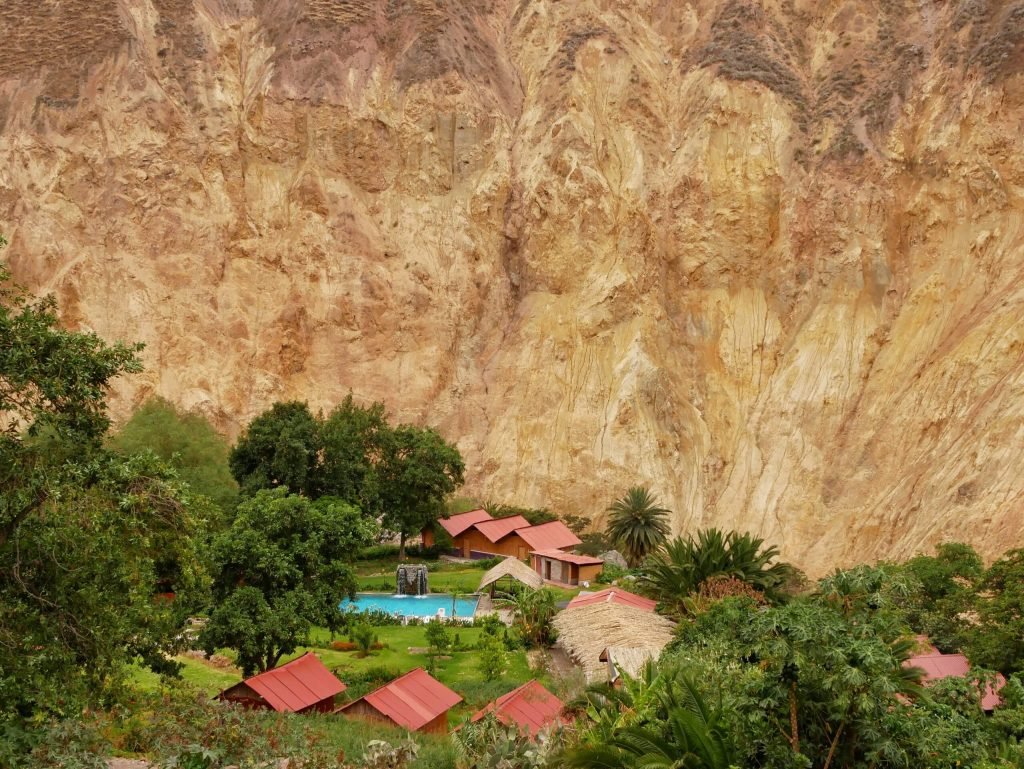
[(765, 257)]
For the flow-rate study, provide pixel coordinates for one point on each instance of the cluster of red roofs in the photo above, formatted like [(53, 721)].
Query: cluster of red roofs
[(415, 701), (418, 702)]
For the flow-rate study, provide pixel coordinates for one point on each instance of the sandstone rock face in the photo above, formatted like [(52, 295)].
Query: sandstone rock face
[(763, 256)]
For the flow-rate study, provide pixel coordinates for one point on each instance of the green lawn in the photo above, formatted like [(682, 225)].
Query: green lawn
[(205, 677)]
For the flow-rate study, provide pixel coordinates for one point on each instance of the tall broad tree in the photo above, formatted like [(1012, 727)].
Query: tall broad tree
[(51, 381), (185, 441), (354, 438), (418, 468), (281, 568), (638, 524), (281, 447), (82, 532)]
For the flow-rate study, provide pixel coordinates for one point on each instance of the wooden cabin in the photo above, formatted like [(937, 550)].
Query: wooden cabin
[(567, 569), (416, 701), (300, 686)]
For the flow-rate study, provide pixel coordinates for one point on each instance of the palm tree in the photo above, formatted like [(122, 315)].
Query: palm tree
[(637, 524), (532, 611)]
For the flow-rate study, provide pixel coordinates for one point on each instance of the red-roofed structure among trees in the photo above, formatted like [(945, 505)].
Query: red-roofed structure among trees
[(530, 708), (302, 685), (416, 701), (613, 595)]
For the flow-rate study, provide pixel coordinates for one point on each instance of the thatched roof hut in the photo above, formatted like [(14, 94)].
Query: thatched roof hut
[(628, 660), (585, 632), (514, 568)]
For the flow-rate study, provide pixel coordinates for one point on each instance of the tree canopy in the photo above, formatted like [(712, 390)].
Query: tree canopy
[(87, 538), (400, 474), (51, 381), (280, 568), (186, 442)]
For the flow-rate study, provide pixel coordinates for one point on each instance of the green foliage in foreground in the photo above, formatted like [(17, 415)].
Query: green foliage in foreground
[(175, 722), (186, 442), (86, 538)]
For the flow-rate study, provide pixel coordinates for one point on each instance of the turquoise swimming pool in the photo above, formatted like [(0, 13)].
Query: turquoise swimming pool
[(423, 606)]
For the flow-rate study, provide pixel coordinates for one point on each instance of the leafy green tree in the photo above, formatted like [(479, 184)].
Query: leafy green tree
[(353, 439), (417, 470), (280, 448), (532, 611), (78, 580), (51, 381), (81, 531), (637, 524), (186, 442), (535, 515), (492, 658), (942, 593), (996, 641), (684, 564), (281, 568), (810, 682), (438, 636), (362, 636)]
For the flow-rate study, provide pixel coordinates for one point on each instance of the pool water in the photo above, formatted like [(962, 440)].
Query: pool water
[(413, 605)]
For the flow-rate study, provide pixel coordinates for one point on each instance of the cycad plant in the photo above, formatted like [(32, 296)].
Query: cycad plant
[(637, 524), (684, 563), (692, 735)]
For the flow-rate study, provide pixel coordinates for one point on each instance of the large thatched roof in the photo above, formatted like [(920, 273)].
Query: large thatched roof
[(586, 631), (514, 568), (628, 660)]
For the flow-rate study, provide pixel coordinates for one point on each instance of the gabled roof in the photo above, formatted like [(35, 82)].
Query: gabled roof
[(561, 555), (548, 536), (514, 568), (499, 528), (613, 595), (938, 665), (531, 707), (412, 700), (294, 686), (457, 524)]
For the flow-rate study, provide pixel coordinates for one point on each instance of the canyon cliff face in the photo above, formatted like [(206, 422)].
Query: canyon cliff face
[(764, 257)]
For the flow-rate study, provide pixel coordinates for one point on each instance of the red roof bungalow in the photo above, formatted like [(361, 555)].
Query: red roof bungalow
[(299, 686), (530, 708), (477, 535), (416, 701), (613, 595), (454, 525), (937, 665), (566, 568)]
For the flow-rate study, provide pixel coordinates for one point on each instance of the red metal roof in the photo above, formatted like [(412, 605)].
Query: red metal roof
[(459, 523), (531, 707), (498, 528), (613, 595), (296, 685), (561, 555), (940, 665), (412, 701), (548, 536)]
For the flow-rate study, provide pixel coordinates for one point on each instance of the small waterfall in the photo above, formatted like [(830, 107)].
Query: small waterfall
[(411, 579)]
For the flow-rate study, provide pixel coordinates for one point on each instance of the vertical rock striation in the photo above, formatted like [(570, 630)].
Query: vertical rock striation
[(765, 256)]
